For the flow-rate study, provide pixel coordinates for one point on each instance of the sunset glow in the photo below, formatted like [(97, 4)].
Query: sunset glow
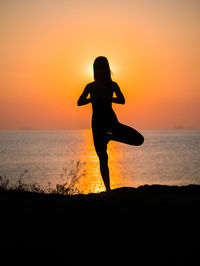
[(48, 49)]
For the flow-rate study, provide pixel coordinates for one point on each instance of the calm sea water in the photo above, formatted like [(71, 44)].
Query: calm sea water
[(169, 157)]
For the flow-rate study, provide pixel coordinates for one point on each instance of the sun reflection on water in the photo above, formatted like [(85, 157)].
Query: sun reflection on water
[(92, 181)]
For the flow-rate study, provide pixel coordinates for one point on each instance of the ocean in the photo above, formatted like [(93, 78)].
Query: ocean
[(49, 157)]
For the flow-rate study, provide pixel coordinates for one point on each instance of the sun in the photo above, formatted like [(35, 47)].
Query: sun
[(89, 71)]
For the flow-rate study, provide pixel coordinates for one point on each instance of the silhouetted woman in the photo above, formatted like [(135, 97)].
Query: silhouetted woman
[(105, 125)]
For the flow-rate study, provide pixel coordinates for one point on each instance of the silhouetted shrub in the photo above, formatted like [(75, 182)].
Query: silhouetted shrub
[(70, 177)]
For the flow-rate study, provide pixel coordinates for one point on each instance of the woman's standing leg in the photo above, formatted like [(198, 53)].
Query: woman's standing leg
[(100, 145), (103, 160)]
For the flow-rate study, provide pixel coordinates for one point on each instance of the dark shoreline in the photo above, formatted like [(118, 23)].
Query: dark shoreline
[(158, 216)]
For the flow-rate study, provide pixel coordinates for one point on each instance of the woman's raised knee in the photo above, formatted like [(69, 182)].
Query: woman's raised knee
[(140, 140)]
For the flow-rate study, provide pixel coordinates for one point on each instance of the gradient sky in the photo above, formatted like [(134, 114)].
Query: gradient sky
[(48, 48)]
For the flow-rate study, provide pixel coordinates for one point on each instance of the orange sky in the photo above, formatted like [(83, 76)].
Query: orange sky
[(48, 48)]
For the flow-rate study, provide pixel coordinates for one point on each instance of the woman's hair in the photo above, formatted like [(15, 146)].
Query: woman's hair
[(102, 69)]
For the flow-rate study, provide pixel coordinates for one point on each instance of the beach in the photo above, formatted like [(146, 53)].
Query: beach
[(158, 218)]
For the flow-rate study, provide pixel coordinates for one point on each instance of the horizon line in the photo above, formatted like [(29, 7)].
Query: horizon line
[(60, 129)]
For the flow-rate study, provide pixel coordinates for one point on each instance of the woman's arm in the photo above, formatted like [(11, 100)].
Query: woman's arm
[(120, 97), (83, 98)]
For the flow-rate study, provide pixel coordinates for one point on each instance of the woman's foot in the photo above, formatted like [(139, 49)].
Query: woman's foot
[(108, 189)]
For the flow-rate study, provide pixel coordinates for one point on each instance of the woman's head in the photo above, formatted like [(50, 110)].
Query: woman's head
[(101, 69)]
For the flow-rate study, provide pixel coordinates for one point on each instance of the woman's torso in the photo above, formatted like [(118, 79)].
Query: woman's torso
[(101, 96)]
